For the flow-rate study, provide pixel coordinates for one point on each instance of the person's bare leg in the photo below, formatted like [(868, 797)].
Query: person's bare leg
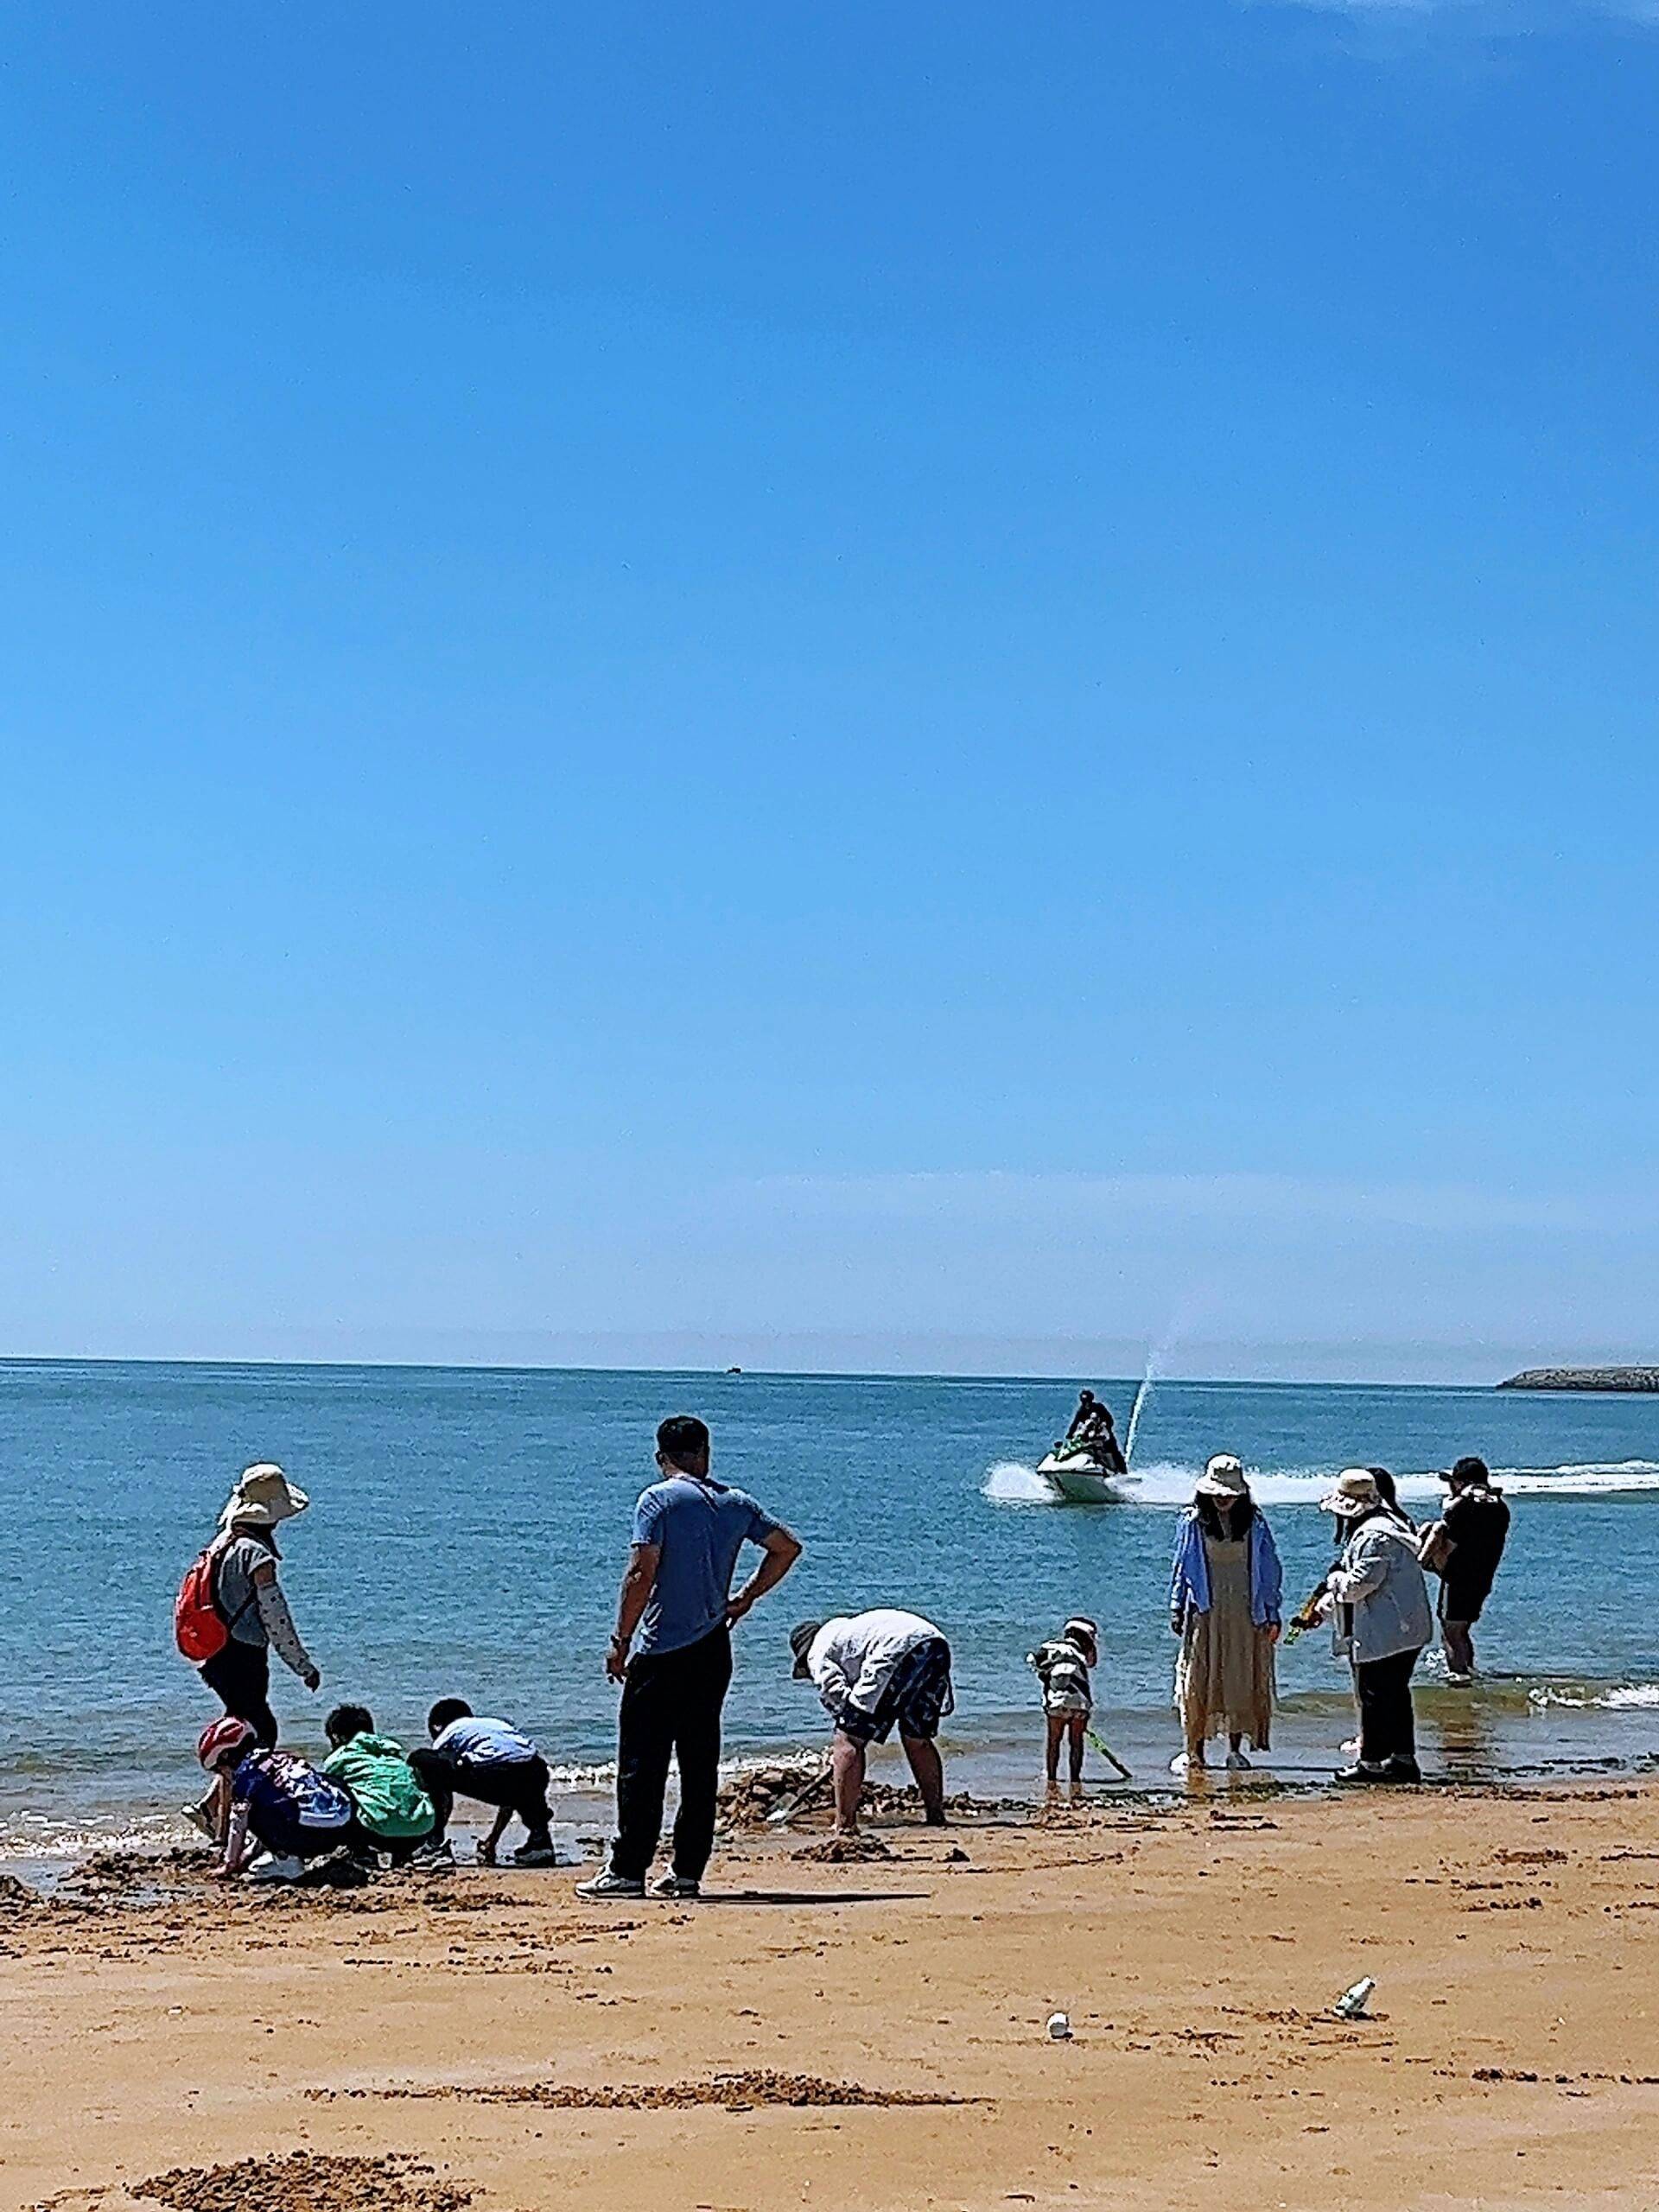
[(847, 1773), (1459, 1646), (1236, 1744), (1074, 1732), (929, 1769), (1056, 1730)]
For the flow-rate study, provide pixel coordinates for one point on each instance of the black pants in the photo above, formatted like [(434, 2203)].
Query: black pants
[(671, 1706), (1387, 1727), (239, 1677), (520, 1787)]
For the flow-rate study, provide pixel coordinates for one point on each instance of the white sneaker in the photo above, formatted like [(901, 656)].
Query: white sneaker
[(611, 1885), (267, 1867), (676, 1885), (1237, 1764)]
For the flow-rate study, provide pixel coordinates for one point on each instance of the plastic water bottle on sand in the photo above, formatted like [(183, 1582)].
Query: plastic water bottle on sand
[(1059, 2028), (1351, 2006)]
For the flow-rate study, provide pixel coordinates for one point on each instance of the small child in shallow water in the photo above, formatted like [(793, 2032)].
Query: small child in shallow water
[(1062, 1665)]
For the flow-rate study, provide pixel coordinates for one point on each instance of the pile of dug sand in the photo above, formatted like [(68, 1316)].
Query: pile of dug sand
[(750, 1797), (306, 2180)]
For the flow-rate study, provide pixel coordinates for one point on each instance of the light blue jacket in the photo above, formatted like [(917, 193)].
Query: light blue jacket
[(1379, 1577), (1189, 1584)]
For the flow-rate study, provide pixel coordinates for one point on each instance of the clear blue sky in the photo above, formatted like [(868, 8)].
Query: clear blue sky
[(831, 683)]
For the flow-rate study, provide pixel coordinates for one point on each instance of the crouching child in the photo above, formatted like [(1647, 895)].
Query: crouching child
[(494, 1762), (282, 1813), (394, 1814)]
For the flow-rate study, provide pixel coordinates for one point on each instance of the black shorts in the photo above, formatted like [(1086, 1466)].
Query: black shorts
[(1462, 1601)]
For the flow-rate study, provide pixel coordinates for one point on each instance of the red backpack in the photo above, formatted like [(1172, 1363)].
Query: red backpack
[(199, 1629)]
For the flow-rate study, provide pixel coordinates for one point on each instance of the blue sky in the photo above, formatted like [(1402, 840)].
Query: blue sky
[(931, 686)]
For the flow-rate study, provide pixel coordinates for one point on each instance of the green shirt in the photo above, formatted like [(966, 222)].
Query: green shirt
[(390, 1802)]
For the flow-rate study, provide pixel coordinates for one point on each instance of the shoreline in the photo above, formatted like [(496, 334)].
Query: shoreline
[(873, 2036), (1006, 1776)]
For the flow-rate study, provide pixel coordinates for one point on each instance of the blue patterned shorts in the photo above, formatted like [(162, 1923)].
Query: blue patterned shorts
[(917, 1698)]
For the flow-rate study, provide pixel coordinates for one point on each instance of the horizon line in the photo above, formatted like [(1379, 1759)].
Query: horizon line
[(739, 1373)]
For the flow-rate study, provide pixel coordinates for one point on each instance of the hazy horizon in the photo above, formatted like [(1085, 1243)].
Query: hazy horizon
[(809, 1357)]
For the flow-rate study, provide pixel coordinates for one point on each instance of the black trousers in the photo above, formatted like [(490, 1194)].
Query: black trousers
[(239, 1677), (520, 1788), (671, 1705), (1388, 1728)]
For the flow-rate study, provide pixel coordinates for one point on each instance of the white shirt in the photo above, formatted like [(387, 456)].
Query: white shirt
[(852, 1659)]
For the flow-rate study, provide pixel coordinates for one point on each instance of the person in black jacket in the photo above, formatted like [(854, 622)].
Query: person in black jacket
[(1473, 1532)]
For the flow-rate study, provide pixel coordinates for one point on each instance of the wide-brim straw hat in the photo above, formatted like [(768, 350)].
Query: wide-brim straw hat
[(263, 1497), (1223, 1478), (1354, 1492)]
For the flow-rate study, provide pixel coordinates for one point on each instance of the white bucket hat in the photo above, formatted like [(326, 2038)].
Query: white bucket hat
[(263, 1497), (1223, 1478), (1354, 1492)]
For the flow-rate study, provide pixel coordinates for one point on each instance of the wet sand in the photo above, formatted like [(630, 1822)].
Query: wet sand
[(872, 2033)]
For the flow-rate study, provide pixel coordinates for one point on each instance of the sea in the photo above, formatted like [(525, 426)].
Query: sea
[(468, 1526)]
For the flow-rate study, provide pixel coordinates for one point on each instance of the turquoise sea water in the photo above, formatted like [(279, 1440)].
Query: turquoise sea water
[(468, 1526)]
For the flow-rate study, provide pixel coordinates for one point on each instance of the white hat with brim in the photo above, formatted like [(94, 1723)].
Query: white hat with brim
[(1354, 1492), (1223, 1478), (263, 1497)]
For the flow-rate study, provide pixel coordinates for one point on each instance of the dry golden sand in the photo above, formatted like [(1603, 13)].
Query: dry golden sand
[(832, 2036)]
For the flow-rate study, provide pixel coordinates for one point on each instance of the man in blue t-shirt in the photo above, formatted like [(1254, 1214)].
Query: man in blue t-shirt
[(677, 1597)]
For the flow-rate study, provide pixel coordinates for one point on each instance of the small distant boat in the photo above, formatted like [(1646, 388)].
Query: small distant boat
[(1074, 1472)]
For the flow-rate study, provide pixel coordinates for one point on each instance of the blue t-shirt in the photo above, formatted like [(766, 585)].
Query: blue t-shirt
[(700, 1526)]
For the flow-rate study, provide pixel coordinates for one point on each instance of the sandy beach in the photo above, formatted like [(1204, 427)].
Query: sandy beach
[(873, 2034)]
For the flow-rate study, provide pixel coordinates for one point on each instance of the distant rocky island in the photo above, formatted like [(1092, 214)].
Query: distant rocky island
[(1583, 1378)]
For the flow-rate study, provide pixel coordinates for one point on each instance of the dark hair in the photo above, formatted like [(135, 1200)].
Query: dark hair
[(346, 1722), (446, 1710), (682, 1437), (1471, 1470), (1238, 1516)]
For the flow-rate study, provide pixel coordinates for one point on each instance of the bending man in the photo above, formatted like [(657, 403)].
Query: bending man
[(874, 1671)]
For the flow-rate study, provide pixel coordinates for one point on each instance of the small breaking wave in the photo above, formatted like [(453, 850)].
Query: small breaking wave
[(1591, 1697)]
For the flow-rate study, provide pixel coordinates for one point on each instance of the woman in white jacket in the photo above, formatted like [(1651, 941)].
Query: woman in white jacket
[(1378, 1600)]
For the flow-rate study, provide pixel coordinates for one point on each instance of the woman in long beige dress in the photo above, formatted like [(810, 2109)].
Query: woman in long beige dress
[(1224, 1604)]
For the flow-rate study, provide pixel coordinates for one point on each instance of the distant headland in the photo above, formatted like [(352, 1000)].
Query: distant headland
[(1583, 1378)]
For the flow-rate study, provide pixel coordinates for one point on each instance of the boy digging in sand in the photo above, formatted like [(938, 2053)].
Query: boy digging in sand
[(493, 1762), (1062, 1665)]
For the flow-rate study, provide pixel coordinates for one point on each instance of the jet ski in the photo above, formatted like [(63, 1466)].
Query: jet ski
[(1074, 1472)]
